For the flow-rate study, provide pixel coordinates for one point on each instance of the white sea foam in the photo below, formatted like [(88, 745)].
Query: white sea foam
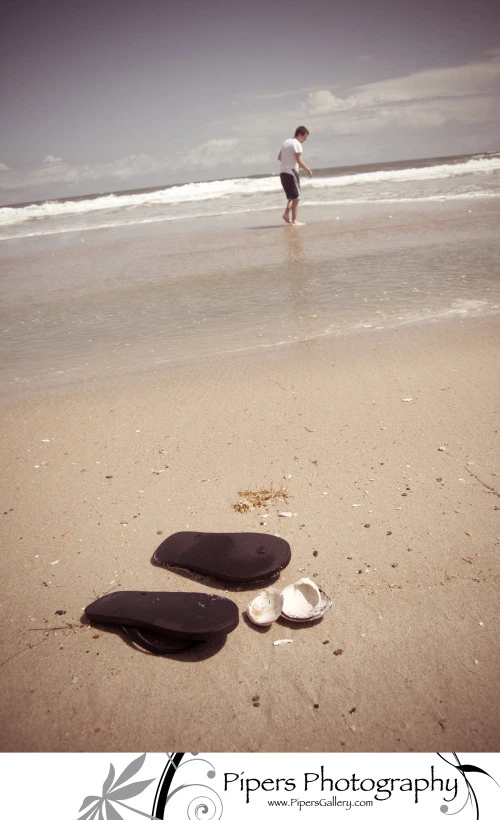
[(134, 207), (392, 200), (446, 171), (46, 229), (190, 192)]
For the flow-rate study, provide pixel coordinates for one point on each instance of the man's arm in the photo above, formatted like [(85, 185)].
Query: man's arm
[(303, 165), (279, 157)]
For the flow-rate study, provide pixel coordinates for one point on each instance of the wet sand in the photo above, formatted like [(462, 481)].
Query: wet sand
[(80, 305), (95, 475)]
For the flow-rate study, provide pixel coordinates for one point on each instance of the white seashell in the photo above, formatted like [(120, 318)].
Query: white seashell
[(266, 607), (283, 640), (300, 598), (304, 601)]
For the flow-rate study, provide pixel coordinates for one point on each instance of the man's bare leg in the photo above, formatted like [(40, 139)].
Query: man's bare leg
[(286, 215), (295, 208)]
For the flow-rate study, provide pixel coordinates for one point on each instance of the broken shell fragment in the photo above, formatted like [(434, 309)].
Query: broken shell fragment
[(300, 598), (304, 601), (266, 607)]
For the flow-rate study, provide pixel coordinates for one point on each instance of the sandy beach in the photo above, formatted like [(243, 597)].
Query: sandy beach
[(391, 442)]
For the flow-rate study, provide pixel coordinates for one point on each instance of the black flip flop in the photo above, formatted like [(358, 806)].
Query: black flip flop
[(164, 622), (154, 642), (238, 557)]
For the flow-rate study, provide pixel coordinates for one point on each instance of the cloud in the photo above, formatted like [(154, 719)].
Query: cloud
[(322, 102), (55, 172), (3, 167), (211, 153), (224, 152), (468, 94), (55, 177), (479, 77), (278, 95), (123, 168)]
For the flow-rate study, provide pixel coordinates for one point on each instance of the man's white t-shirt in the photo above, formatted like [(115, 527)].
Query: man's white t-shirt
[(288, 159)]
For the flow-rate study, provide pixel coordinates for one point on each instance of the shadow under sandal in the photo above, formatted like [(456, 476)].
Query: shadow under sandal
[(163, 622), (238, 557)]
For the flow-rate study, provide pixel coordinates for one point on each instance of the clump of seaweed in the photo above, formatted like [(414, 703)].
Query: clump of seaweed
[(250, 499)]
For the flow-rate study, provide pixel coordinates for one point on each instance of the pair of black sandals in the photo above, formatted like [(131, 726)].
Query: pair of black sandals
[(166, 622)]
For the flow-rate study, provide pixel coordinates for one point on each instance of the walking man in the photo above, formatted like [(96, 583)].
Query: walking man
[(291, 160)]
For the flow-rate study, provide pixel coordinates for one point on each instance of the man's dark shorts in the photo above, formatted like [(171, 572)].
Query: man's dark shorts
[(291, 185)]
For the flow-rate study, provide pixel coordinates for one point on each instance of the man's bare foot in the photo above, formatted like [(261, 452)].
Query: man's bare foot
[(286, 218), (297, 223)]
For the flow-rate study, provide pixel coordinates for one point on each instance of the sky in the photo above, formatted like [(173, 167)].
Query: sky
[(103, 95)]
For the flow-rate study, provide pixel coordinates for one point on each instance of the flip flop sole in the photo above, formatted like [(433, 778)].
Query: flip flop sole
[(193, 616), (240, 556), (155, 643)]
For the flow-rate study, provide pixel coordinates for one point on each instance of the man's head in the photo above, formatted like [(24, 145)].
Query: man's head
[(301, 133)]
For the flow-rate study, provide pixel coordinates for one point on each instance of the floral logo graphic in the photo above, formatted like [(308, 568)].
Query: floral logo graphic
[(113, 791), (191, 800)]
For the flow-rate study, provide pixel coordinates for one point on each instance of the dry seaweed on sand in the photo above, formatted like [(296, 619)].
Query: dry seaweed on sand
[(259, 498)]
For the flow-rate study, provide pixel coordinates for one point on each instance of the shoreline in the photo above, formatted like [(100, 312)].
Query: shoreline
[(355, 338), (269, 217), (97, 474), (140, 299)]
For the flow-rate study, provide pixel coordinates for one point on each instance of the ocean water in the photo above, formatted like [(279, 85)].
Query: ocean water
[(132, 281), (440, 179)]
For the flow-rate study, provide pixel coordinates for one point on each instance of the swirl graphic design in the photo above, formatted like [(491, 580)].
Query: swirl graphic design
[(471, 794), (195, 801)]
